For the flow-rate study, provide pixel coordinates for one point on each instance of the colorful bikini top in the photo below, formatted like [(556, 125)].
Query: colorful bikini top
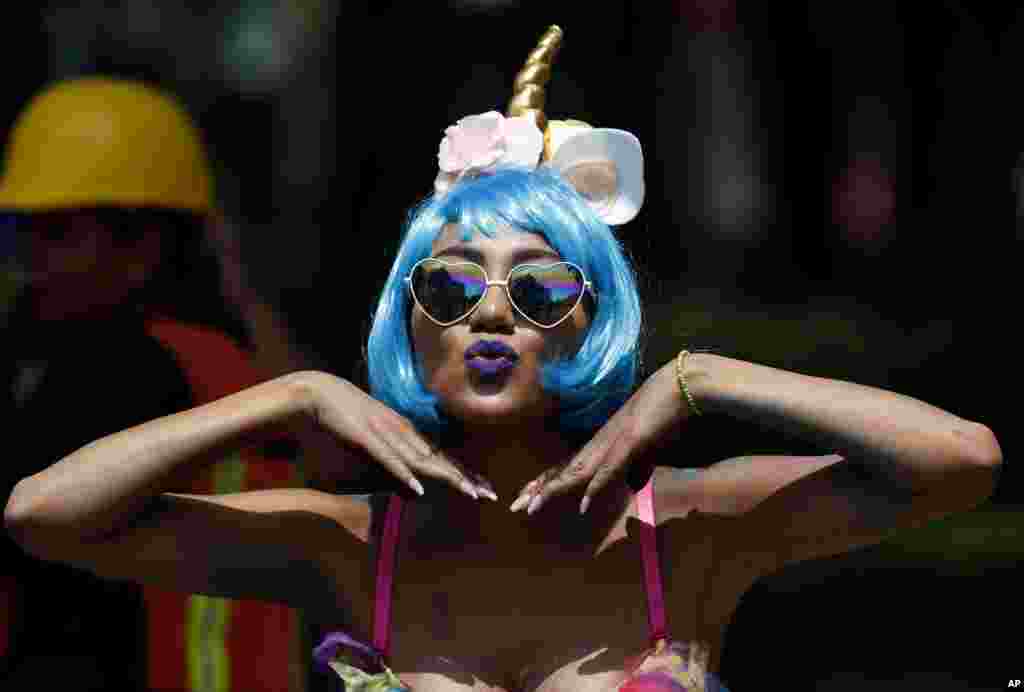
[(664, 667)]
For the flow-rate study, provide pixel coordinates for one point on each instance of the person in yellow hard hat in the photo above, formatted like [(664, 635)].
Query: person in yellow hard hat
[(121, 317), (110, 190)]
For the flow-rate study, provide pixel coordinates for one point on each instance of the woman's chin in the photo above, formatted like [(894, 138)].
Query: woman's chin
[(489, 404)]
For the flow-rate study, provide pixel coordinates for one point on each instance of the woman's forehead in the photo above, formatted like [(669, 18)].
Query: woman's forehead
[(507, 239)]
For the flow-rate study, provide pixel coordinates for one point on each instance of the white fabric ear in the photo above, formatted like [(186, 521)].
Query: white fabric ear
[(607, 168)]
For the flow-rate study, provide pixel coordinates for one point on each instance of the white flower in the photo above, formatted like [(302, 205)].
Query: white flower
[(480, 143)]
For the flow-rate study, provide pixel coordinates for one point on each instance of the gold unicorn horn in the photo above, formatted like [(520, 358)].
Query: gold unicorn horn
[(528, 90)]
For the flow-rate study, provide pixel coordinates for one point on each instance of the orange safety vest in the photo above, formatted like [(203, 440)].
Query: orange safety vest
[(201, 643)]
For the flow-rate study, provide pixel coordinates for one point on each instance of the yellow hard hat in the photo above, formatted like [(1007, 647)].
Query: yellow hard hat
[(97, 141)]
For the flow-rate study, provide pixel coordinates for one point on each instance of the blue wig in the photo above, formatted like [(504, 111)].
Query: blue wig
[(590, 386)]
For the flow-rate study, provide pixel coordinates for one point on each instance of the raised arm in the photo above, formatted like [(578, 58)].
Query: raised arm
[(96, 488), (896, 437), (887, 461), (105, 506)]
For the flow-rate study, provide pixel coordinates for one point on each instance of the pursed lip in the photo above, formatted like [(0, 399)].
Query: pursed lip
[(489, 357), (491, 349)]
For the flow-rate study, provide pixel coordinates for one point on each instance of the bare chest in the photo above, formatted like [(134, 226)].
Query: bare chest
[(516, 609)]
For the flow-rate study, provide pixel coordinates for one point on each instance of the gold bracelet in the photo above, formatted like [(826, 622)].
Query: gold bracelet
[(682, 382)]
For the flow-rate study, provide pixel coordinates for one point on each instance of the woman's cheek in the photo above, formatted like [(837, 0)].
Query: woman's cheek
[(428, 347), (445, 380), (564, 341), (563, 344), (440, 374)]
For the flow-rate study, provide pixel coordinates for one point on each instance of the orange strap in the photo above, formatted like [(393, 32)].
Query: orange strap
[(200, 643)]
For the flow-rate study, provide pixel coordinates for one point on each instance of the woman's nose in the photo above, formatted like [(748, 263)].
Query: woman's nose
[(495, 312)]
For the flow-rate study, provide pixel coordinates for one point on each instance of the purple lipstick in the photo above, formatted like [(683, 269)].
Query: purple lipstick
[(490, 357)]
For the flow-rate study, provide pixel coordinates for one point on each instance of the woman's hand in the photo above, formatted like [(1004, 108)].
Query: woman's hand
[(909, 444), (359, 421), (651, 415)]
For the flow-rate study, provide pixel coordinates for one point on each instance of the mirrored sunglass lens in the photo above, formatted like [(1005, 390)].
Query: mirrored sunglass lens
[(448, 291), (546, 294)]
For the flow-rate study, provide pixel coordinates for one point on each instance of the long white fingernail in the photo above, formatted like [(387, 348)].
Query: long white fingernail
[(584, 503), (489, 494), (534, 504), (415, 485), (468, 488)]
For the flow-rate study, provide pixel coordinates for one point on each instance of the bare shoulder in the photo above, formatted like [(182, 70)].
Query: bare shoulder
[(705, 575), (731, 487), (349, 513), (695, 502), (786, 508), (676, 491), (265, 544)]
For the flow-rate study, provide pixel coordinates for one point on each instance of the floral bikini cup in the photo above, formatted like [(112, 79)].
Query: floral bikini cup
[(667, 666)]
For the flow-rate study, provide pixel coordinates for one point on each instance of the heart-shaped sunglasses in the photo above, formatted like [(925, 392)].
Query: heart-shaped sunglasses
[(545, 294)]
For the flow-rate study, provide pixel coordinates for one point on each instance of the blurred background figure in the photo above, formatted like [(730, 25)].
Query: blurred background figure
[(122, 316)]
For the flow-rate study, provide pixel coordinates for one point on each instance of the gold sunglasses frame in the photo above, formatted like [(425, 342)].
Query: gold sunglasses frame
[(587, 286)]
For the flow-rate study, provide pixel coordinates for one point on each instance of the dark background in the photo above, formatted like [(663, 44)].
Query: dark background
[(831, 187)]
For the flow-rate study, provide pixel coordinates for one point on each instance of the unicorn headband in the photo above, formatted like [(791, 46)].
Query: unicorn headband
[(605, 166)]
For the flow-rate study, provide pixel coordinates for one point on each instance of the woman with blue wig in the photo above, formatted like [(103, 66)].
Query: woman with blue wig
[(503, 362)]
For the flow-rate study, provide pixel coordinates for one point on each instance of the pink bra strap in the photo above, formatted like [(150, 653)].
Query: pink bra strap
[(385, 575), (652, 569)]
